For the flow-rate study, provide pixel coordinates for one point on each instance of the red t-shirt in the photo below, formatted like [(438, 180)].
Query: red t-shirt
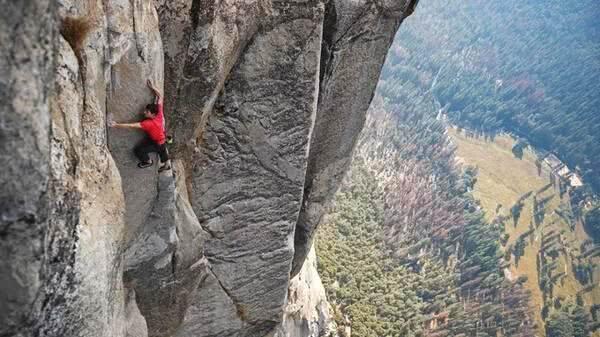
[(155, 127)]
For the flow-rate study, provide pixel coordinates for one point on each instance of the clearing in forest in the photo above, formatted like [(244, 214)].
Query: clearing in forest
[(502, 181)]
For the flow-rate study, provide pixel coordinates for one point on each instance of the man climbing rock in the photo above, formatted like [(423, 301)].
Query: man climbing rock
[(154, 126)]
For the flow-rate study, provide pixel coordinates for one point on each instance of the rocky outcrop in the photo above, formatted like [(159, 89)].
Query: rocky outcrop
[(265, 100), (203, 41), (247, 173), (307, 313), (356, 38), (62, 210)]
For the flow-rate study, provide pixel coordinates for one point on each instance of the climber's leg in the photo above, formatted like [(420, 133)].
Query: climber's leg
[(162, 153), (164, 157), (142, 150)]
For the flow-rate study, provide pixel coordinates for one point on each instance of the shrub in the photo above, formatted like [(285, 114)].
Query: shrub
[(75, 31)]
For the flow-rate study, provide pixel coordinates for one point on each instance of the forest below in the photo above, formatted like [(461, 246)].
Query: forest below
[(530, 68), (408, 249)]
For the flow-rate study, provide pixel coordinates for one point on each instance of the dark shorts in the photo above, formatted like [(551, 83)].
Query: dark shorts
[(147, 146)]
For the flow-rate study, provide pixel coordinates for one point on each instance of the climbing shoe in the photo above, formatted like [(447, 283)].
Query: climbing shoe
[(145, 164), (165, 167)]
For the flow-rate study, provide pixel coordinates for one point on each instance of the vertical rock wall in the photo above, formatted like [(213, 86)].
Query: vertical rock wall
[(25, 84), (357, 36), (307, 311), (248, 171), (203, 40)]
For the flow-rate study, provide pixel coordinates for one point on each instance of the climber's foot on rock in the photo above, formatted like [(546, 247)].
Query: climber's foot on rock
[(145, 164), (165, 167)]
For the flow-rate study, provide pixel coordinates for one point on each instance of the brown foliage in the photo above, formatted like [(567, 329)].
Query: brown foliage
[(75, 31)]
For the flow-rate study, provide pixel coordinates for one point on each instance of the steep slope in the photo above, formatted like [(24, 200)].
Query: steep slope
[(264, 99)]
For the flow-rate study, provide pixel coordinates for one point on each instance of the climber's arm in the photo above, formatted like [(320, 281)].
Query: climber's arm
[(158, 99), (126, 125)]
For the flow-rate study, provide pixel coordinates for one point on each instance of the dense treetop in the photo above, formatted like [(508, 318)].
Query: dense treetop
[(528, 67)]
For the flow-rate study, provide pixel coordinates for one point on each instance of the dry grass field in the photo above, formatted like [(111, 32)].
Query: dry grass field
[(501, 181)]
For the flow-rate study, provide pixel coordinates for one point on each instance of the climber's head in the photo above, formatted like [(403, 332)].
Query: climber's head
[(151, 111)]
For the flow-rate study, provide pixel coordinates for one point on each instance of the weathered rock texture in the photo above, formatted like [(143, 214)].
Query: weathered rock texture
[(248, 173), (307, 311), (356, 37), (265, 100), (25, 76)]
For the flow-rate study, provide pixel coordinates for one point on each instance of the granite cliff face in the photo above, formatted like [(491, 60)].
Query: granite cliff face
[(307, 310), (265, 100)]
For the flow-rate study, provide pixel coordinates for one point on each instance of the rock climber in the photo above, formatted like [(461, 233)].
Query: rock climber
[(154, 126)]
